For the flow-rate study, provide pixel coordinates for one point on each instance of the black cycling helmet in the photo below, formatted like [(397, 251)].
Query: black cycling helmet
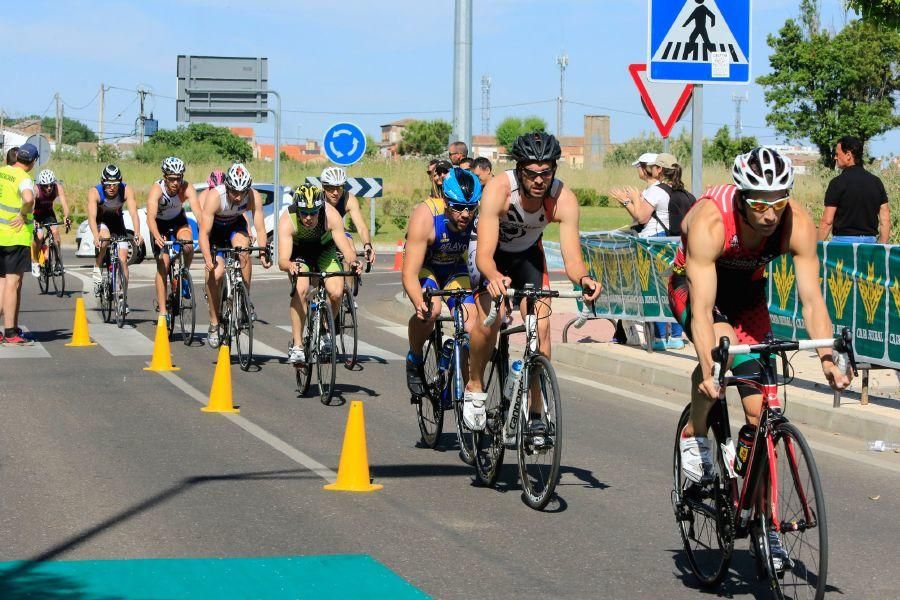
[(111, 174), (537, 146)]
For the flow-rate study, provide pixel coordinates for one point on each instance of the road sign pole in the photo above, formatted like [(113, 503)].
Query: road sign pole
[(697, 141), (666, 144), (371, 218), (277, 189)]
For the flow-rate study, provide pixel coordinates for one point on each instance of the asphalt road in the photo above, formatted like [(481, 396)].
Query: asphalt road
[(100, 459)]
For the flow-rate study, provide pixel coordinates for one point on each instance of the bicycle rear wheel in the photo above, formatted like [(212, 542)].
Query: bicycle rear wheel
[(703, 513), (187, 316), (242, 327), (327, 363), (539, 458), (801, 523), (56, 270), (488, 444), (347, 330), (121, 298), (429, 412)]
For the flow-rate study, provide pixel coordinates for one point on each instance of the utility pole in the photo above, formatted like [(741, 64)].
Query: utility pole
[(563, 62), (738, 124), (143, 94), (462, 73), (58, 133), (100, 118), (486, 104)]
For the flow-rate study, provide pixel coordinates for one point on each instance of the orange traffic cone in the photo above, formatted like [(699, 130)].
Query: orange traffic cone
[(220, 392), (80, 336), (353, 470), (398, 256), (162, 355)]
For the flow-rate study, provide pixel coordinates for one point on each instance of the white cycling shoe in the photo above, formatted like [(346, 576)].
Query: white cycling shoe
[(696, 458), (474, 413)]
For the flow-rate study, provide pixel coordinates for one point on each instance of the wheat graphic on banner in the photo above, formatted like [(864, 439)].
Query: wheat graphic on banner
[(840, 285), (870, 290), (784, 282)]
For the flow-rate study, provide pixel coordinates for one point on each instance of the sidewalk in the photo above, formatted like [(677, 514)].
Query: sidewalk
[(809, 399)]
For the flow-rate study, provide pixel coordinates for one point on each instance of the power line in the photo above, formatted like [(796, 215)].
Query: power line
[(85, 106)]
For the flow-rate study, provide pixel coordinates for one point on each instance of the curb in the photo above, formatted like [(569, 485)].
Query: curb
[(802, 407)]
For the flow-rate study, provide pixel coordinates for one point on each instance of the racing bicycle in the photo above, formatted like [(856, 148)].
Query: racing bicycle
[(113, 287), (235, 310), (180, 301), (50, 260)]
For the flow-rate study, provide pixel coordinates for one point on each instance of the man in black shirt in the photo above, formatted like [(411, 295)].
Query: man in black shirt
[(856, 203)]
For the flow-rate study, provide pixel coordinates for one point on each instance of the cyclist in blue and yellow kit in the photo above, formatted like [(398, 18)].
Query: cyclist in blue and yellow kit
[(436, 246)]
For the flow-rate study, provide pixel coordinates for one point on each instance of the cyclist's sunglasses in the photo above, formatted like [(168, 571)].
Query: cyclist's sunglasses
[(764, 205), (174, 178), (459, 207), (308, 213), (532, 175)]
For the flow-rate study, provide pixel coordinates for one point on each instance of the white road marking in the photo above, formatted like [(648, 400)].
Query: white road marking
[(35, 350), (253, 429), (364, 350), (121, 342)]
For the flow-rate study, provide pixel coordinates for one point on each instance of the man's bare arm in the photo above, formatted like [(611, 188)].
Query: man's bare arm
[(884, 224), (421, 227), (493, 205), (826, 223)]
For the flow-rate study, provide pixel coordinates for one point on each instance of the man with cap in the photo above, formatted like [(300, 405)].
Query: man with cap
[(16, 229)]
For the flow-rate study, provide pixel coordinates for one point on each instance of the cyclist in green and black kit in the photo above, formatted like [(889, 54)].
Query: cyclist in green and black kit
[(310, 234)]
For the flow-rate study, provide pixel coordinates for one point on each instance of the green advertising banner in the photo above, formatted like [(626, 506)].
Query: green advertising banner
[(893, 302), (860, 284)]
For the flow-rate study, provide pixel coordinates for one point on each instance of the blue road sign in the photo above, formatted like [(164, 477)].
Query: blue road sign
[(344, 143), (699, 41)]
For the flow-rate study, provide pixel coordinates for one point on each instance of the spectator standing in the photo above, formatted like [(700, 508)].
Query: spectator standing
[(457, 151), (16, 231), (11, 156), (650, 208), (438, 172), (466, 163), (856, 203), (482, 170)]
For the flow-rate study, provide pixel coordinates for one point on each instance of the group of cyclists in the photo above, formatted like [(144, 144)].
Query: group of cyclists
[(484, 234)]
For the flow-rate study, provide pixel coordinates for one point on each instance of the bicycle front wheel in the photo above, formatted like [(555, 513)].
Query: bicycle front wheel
[(57, 272), (242, 327), (326, 365), (799, 516), (703, 513), (347, 330), (187, 316), (106, 302), (121, 298), (44, 275), (463, 433), (488, 443), (429, 411), (539, 455)]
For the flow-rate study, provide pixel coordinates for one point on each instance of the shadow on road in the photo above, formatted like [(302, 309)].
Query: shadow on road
[(584, 476), (25, 581), (51, 335), (419, 470)]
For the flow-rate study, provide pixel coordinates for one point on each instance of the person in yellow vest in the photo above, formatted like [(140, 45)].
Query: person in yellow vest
[(16, 229)]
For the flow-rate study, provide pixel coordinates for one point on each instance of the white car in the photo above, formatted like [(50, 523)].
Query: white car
[(84, 238)]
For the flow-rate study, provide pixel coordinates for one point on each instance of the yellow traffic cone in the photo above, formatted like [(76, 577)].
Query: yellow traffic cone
[(80, 336), (162, 355), (220, 392), (353, 470)]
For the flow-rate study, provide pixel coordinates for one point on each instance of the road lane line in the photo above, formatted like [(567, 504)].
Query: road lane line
[(253, 429)]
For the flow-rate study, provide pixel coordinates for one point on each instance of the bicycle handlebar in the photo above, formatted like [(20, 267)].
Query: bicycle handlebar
[(539, 293), (843, 345)]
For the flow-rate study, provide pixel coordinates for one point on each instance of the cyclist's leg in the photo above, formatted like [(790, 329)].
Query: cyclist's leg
[(298, 307), (328, 262), (214, 279), (185, 233), (240, 238), (461, 281), (162, 271), (418, 332), (102, 232), (482, 340)]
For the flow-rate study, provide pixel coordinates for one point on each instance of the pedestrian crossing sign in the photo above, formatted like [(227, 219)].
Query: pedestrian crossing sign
[(699, 41)]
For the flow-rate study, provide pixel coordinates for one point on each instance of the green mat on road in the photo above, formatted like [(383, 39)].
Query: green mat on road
[(338, 576)]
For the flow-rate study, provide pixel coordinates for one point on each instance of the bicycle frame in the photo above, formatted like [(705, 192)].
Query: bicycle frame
[(458, 318), (319, 296)]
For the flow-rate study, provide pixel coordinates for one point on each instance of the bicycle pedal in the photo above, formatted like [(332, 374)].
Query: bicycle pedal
[(415, 400)]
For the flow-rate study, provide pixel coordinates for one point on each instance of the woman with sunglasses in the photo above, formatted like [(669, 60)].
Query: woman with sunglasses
[(435, 257), (49, 190), (718, 288)]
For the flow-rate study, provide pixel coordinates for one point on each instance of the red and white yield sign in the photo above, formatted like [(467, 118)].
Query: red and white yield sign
[(664, 102)]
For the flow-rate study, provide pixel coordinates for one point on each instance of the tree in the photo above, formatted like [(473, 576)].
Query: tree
[(371, 147), (73, 131), (425, 137), (197, 141), (884, 12), (512, 127), (832, 85), (722, 148)]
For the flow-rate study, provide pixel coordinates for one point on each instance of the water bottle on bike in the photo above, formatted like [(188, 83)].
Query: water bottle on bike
[(510, 391)]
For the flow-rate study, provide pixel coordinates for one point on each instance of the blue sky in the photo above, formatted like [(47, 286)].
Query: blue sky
[(358, 56)]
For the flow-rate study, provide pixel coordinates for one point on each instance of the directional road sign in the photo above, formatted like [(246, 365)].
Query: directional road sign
[(361, 187), (699, 41), (344, 143), (665, 102)]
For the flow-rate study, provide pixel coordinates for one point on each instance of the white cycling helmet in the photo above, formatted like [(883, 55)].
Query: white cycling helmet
[(172, 166), (238, 177), (333, 176), (46, 177), (763, 169)]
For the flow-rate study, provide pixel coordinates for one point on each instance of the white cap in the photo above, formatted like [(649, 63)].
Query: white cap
[(648, 158)]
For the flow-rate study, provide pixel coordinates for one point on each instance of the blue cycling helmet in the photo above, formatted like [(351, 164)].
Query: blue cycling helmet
[(461, 187)]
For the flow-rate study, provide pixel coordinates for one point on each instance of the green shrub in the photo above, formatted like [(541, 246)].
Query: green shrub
[(587, 196), (399, 222)]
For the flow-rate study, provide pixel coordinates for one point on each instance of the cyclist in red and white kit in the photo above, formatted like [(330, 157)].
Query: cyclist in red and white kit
[(718, 288)]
